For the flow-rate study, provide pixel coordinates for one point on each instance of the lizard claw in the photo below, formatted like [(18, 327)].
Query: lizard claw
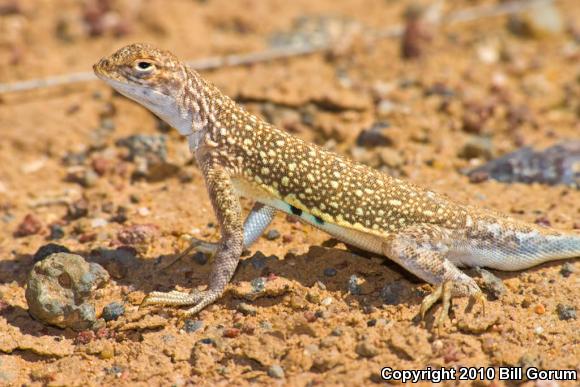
[(479, 298), (442, 292)]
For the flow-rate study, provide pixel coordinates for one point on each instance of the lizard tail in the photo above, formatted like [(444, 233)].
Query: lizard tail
[(537, 250)]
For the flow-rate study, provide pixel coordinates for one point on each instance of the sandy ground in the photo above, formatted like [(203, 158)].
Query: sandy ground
[(306, 325)]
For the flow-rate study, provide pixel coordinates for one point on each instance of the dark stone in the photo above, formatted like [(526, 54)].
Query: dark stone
[(566, 312), (113, 311), (375, 136), (48, 249)]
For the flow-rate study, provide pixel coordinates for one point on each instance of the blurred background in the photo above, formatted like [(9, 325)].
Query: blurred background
[(477, 99)]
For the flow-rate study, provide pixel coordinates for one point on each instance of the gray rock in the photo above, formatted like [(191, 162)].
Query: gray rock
[(366, 349), (59, 289), (275, 371), (113, 311), (566, 312)]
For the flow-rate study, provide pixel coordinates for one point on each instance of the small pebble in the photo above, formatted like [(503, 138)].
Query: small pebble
[(30, 225), (56, 232), (247, 309), (275, 371), (266, 325), (258, 285), (313, 297), (207, 340), (143, 211), (98, 222), (322, 314), (231, 333), (567, 270), (566, 312), (85, 337), (540, 309), (138, 234), (113, 311), (326, 301), (310, 316), (272, 234), (538, 330), (336, 332), (200, 258), (372, 322), (330, 272), (353, 287), (191, 326), (48, 249), (366, 349), (78, 209)]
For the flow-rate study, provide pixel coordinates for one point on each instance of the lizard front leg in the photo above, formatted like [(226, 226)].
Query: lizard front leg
[(258, 219), (423, 250), (227, 208)]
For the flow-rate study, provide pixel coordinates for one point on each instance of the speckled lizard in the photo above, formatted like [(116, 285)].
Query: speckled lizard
[(240, 154)]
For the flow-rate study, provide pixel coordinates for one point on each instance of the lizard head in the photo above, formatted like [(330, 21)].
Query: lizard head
[(154, 78)]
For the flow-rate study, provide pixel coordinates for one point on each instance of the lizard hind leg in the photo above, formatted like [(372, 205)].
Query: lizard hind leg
[(422, 250)]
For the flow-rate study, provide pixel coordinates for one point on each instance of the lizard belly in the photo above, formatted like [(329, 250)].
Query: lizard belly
[(368, 242)]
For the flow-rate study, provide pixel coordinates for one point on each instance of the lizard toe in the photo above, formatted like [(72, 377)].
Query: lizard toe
[(173, 298)]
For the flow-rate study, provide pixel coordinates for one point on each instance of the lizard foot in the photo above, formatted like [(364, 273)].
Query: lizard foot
[(174, 298), (442, 292), (197, 245)]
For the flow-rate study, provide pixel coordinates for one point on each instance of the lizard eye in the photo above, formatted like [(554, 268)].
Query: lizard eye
[(144, 66)]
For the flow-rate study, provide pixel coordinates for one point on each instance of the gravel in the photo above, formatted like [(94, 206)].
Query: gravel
[(113, 311)]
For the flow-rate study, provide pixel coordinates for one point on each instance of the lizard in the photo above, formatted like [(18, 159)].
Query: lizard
[(240, 154)]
